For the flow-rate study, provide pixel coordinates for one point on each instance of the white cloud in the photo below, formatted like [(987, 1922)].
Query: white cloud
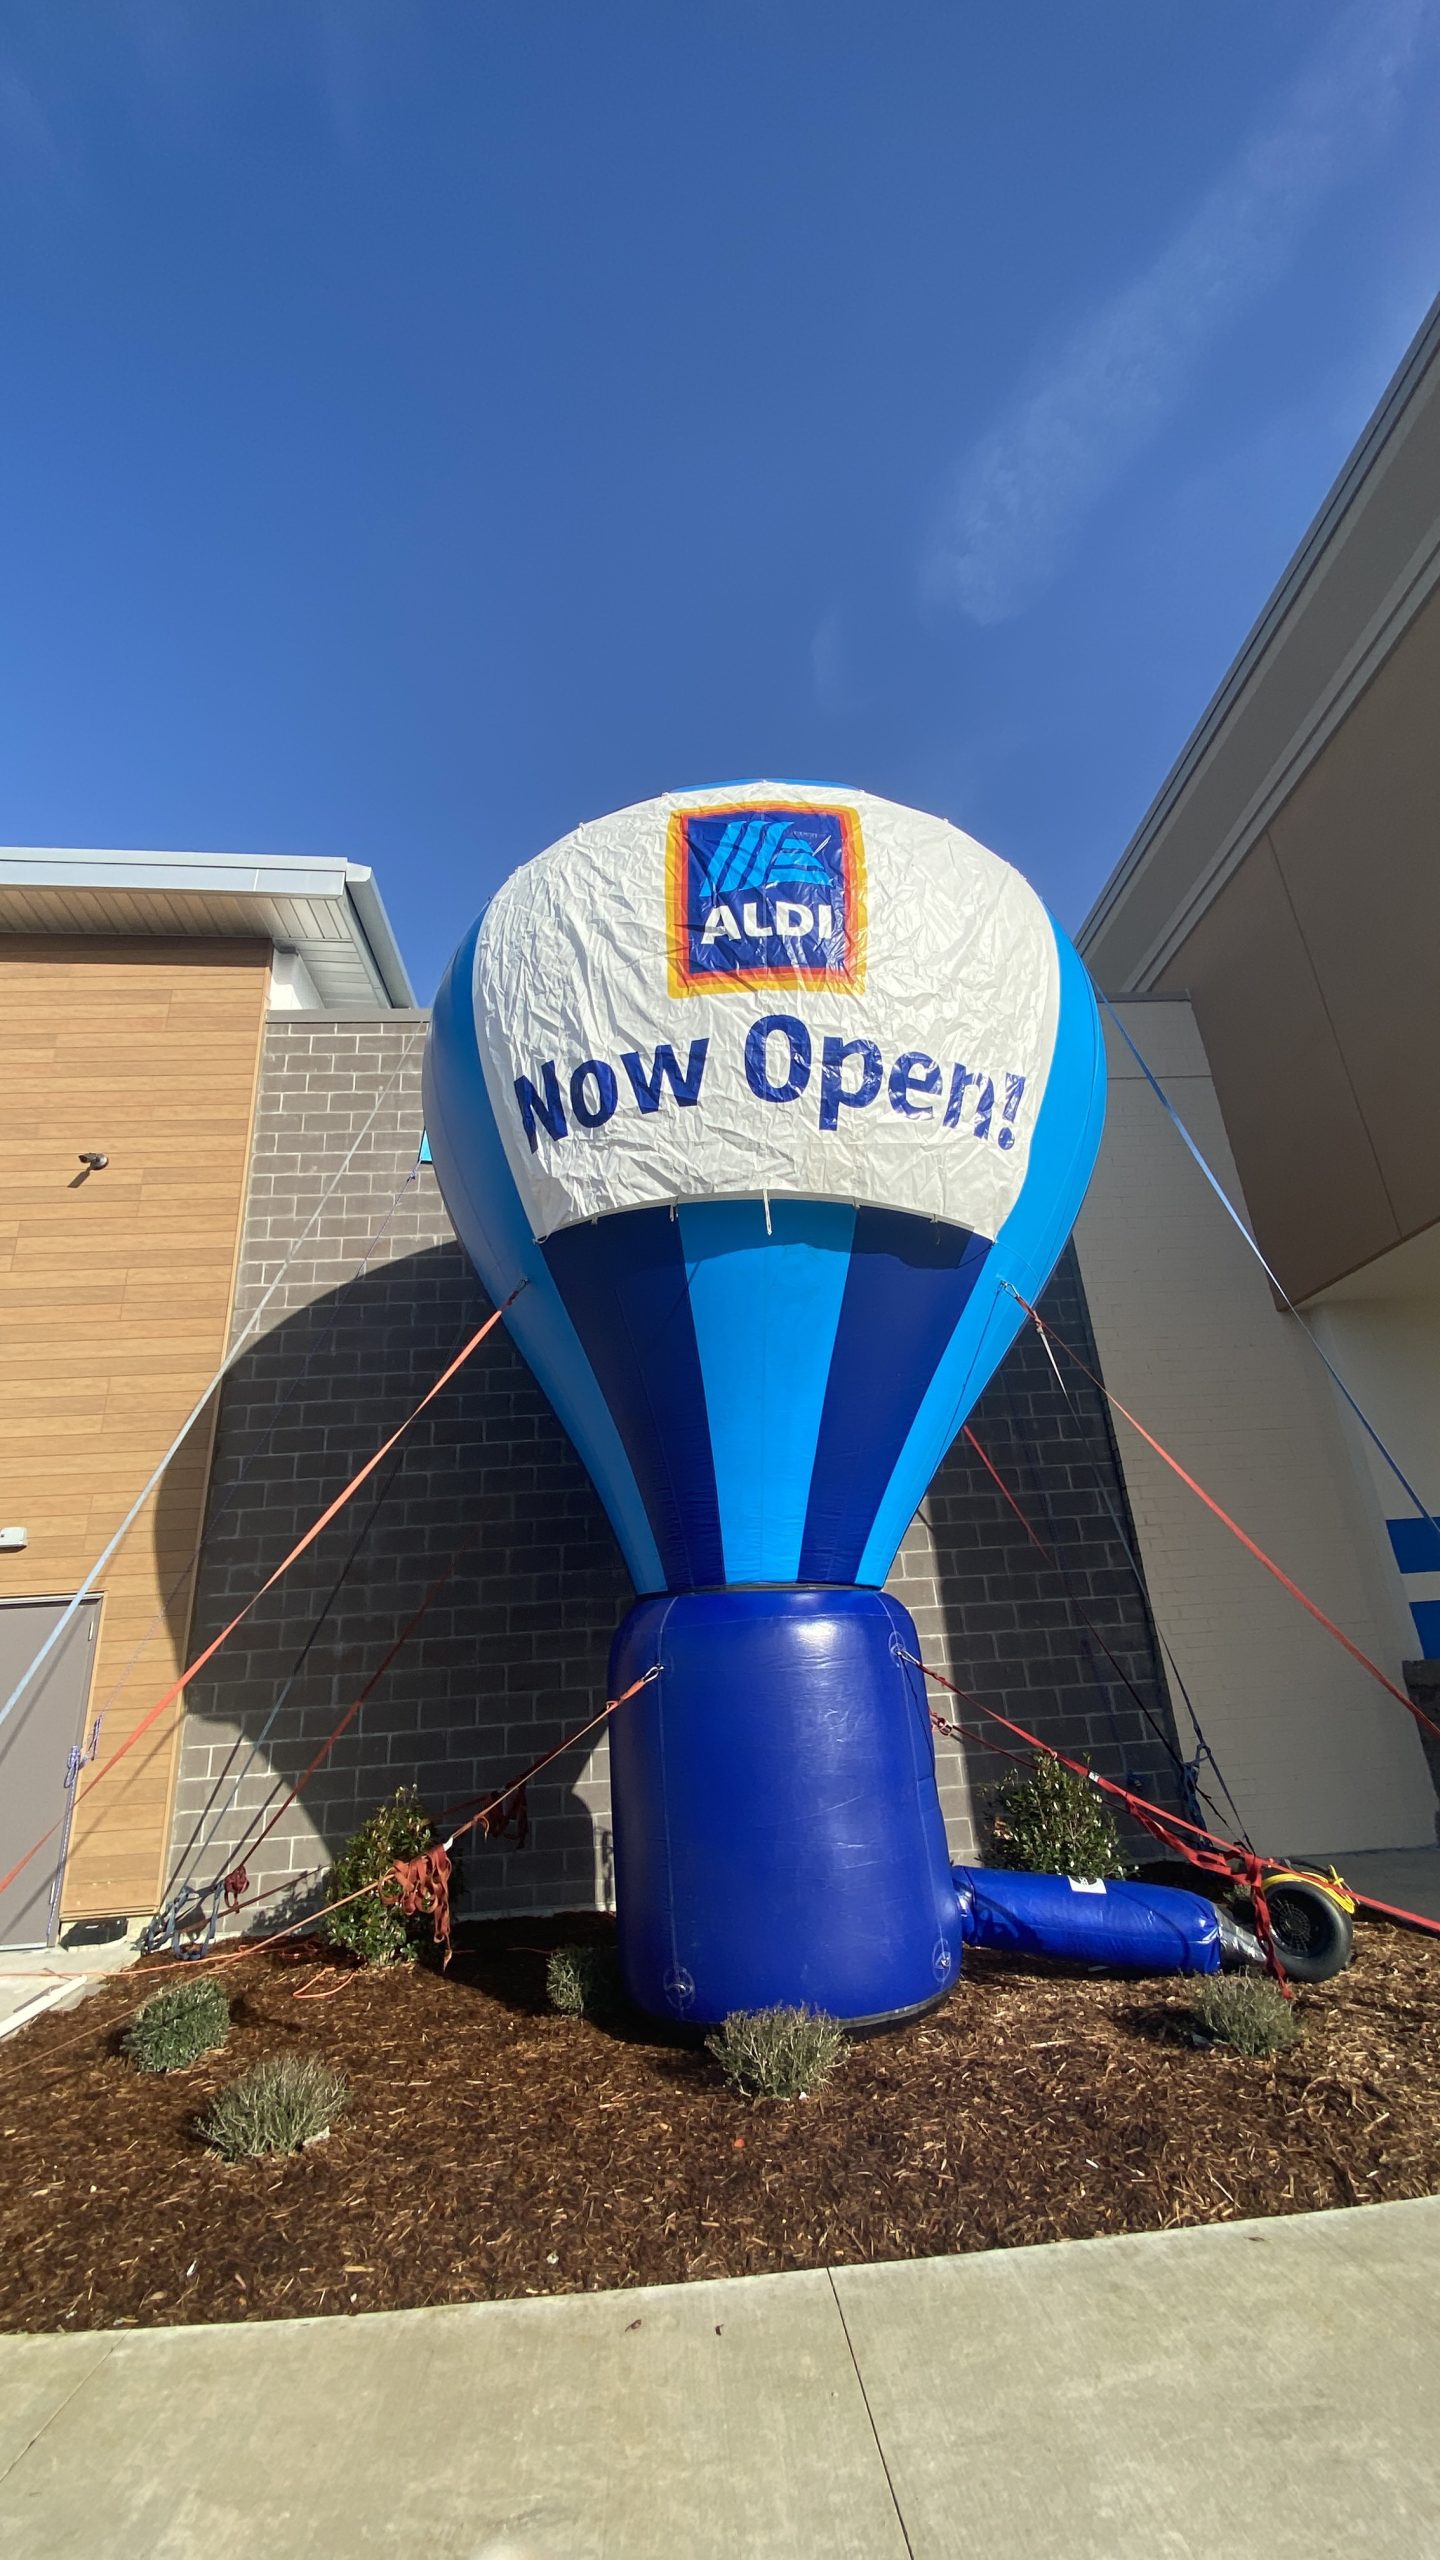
[(1020, 491)]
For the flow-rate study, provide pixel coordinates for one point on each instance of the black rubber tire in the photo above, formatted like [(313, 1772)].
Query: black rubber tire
[(1314, 1938)]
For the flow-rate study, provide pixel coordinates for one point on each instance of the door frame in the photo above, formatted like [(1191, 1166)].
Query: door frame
[(90, 1611)]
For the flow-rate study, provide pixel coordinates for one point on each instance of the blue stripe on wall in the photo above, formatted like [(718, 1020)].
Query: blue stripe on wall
[(1416, 1543), (624, 1282), (907, 1287), (1426, 1614), (765, 1309)]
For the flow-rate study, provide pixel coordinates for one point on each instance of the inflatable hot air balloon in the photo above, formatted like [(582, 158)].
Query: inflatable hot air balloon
[(771, 1096)]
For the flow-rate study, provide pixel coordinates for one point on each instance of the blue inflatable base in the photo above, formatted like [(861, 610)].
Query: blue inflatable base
[(1124, 1928), (778, 1835)]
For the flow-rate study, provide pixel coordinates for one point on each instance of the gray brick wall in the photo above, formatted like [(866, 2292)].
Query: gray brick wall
[(512, 1653)]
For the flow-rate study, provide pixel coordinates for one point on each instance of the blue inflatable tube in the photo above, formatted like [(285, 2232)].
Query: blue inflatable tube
[(1125, 1928)]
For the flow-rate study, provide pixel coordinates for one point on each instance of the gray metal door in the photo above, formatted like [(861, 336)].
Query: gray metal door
[(36, 1742)]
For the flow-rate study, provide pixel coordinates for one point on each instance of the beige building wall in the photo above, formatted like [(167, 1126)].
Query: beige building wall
[(1191, 1339), (1381, 1328), (1312, 975), (115, 1293)]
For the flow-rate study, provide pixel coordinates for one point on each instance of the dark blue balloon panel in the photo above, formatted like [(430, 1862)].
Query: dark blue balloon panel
[(907, 1287), (624, 1285), (821, 1400), (778, 1837)]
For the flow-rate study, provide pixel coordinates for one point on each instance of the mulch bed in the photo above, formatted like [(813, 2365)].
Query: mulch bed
[(492, 2149)]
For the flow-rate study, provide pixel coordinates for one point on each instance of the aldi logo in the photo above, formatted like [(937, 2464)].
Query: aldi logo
[(765, 897)]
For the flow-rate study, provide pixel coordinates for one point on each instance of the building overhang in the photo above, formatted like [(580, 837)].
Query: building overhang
[(1367, 566), (328, 912)]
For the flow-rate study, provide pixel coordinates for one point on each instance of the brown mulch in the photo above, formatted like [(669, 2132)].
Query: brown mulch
[(492, 2149)]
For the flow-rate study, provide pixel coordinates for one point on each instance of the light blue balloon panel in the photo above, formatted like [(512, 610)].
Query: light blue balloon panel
[(762, 1393)]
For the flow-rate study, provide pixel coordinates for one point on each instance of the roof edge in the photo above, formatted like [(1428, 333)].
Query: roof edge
[(327, 881), (1421, 353), (374, 930)]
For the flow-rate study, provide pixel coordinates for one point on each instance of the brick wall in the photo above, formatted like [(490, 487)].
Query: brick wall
[(513, 1652)]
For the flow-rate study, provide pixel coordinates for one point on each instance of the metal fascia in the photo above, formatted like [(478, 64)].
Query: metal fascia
[(1367, 458), (375, 937)]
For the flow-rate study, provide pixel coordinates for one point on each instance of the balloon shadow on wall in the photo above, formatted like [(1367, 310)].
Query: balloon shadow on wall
[(510, 1654)]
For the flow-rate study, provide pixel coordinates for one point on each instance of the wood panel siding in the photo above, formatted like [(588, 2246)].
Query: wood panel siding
[(115, 1294)]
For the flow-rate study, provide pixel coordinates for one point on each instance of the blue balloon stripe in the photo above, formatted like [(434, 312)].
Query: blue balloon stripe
[(765, 1308), (909, 1282), (1062, 1153), (625, 1284), (479, 1190)]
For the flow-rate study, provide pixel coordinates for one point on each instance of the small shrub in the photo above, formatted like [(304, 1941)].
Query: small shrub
[(177, 2026), (275, 2106), (374, 1928), (584, 1982), (1052, 1822), (778, 2053), (1245, 2010)]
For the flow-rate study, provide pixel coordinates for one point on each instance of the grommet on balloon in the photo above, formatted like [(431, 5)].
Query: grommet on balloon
[(772, 1096)]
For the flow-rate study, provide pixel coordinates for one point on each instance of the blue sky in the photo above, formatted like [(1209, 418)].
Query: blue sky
[(428, 425)]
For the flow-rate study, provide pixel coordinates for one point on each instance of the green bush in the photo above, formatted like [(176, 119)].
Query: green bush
[(177, 2026), (375, 1929), (275, 2106), (584, 1982), (1245, 2010), (1052, 1822), (778, 2053)]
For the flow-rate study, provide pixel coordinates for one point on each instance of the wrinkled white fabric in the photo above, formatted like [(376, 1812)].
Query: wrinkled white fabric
[(573, 971)]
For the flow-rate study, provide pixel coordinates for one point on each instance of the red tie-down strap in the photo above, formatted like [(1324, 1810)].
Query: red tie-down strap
[(1233, 1527), (506, 1816), (1208, 1850), (423, 1884), (1188, 1840), (1250, 1544), (192, 1669)]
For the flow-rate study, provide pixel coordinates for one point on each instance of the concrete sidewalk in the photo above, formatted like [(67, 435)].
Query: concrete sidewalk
[(1267, 2385), (1408, 1879), (34, 1979)]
